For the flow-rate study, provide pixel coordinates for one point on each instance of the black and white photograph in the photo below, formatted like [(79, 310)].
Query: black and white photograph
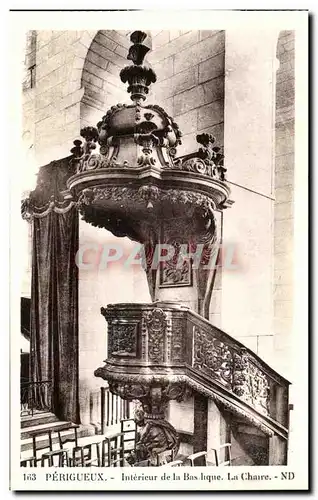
[(158, 318)]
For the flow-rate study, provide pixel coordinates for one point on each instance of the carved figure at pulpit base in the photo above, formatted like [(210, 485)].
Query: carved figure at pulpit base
[(155, 436)]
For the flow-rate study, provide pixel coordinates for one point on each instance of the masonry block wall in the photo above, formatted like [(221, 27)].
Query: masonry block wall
[(247, 294), (105, 58), (190, 86), (284, 189), (60, 84)]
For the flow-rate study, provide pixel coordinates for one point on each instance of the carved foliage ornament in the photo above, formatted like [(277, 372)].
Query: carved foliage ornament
[(122, 339), (207, 161), (250, 383), (84, 157), (177, 341), (230, 406), (234, 370), (148, 193), (213, 356), (156, 322)]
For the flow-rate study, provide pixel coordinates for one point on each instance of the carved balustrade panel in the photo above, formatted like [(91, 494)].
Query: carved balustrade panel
[(177, 341), (213, 356), (155, 344), (123, 339), (147, 334), (231, 366), (251, 383)]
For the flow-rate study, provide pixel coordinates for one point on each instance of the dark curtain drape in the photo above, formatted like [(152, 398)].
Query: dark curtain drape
[(54, 297), (25, 306)]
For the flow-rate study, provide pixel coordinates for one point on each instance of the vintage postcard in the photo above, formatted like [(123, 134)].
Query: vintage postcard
[(158, 250)]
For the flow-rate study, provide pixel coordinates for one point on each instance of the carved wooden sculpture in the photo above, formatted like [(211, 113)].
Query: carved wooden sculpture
[(129, 181), (133, 185)]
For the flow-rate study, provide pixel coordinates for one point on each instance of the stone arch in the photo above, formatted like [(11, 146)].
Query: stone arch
[(104, 59), (81, 46)]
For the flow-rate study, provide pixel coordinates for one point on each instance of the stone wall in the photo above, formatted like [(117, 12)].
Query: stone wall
[(190, 86), (247, 291), (100, 77)]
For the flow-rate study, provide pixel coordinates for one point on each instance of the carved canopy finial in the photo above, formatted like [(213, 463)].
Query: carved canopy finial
[(140, 75), (139, 49)]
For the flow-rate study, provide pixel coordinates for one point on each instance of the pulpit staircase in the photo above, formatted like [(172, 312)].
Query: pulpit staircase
[(181, 353)]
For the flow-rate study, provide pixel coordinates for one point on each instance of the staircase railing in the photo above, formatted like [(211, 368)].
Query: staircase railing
[(216, 355), (35, 397)]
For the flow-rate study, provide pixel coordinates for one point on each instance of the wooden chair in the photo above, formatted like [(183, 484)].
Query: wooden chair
[(69, 438), (81, 449), (227, 461), (198, 459), (113, 451), (45, 444), (82, 456), (49, 456), (28, 462)]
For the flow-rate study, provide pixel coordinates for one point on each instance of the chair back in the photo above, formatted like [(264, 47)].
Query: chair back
[(28, 462), (223, 455), (198, 459), (69, 438), (113, 451), (60, 456), (41, 444)]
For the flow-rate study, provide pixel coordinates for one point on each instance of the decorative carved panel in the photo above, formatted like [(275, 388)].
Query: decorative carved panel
[(156, 323), (159, 343), (250, 383), (122, 339), (177, 341), (234, 369), (171, 272), (212, 356)]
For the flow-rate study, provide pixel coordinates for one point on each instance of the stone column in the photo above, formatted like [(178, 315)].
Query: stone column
[(277, 451)]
